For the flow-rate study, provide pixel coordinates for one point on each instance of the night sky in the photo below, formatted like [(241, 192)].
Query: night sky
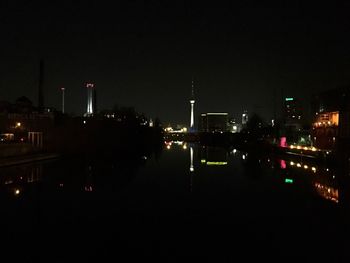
[(145, 53)]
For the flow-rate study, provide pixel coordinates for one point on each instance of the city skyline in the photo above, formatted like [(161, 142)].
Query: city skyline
[(239, 55)]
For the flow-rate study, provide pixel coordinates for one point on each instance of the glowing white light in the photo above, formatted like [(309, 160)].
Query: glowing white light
[(192, 114)]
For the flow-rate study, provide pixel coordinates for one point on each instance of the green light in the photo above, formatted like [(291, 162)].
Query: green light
[(203, 161), (216, 163), (288, 181), (289, 99)]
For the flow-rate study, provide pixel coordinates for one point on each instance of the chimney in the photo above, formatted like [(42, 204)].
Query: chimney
[(41, 85)]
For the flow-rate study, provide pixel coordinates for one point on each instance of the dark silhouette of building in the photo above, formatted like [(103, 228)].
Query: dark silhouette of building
[(214, 122), (293, 113)]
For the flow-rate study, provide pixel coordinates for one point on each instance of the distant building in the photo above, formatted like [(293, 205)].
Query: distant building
[(22, 117), (244, 118), (233, 126), (293, 126), (325, 129), (214, 122), (293, 113), (332, 118)]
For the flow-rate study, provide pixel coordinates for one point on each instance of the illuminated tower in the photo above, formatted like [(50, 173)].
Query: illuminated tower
[(192, 109), (62, 89), (90, 99)]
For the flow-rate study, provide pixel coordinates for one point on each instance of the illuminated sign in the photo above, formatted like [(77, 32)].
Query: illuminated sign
[(216, 163)]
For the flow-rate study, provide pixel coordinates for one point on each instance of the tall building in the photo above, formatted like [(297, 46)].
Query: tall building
[(90, 87), (294, 127), (214, 122), (293, 112), (192, 101)]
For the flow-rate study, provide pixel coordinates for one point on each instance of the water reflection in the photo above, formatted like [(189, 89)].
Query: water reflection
[(140, 199), (14, 179), (216, 156), (319, 178), (191, 168), (89, 180), (322, 177), (191, 160)]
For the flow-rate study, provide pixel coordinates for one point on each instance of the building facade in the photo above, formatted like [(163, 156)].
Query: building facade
[(331, 124), (214, 122)]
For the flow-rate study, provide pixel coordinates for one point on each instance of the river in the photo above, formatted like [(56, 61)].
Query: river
[(190, 201)]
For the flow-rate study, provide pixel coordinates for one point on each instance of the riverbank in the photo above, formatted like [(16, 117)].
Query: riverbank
[(23, 159)]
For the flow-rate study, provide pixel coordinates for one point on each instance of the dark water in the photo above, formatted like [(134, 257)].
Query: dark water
[(198, 203)]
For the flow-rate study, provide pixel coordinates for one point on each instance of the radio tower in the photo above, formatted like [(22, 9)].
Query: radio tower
[(192, 101)]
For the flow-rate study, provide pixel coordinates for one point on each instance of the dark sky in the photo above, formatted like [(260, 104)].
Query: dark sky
[(144, 53)]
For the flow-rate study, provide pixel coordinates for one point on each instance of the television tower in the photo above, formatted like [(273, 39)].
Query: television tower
[(90, 99), (192, 101)]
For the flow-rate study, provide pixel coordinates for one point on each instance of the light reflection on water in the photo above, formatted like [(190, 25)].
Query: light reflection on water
[(291, 169), (200, 192)]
